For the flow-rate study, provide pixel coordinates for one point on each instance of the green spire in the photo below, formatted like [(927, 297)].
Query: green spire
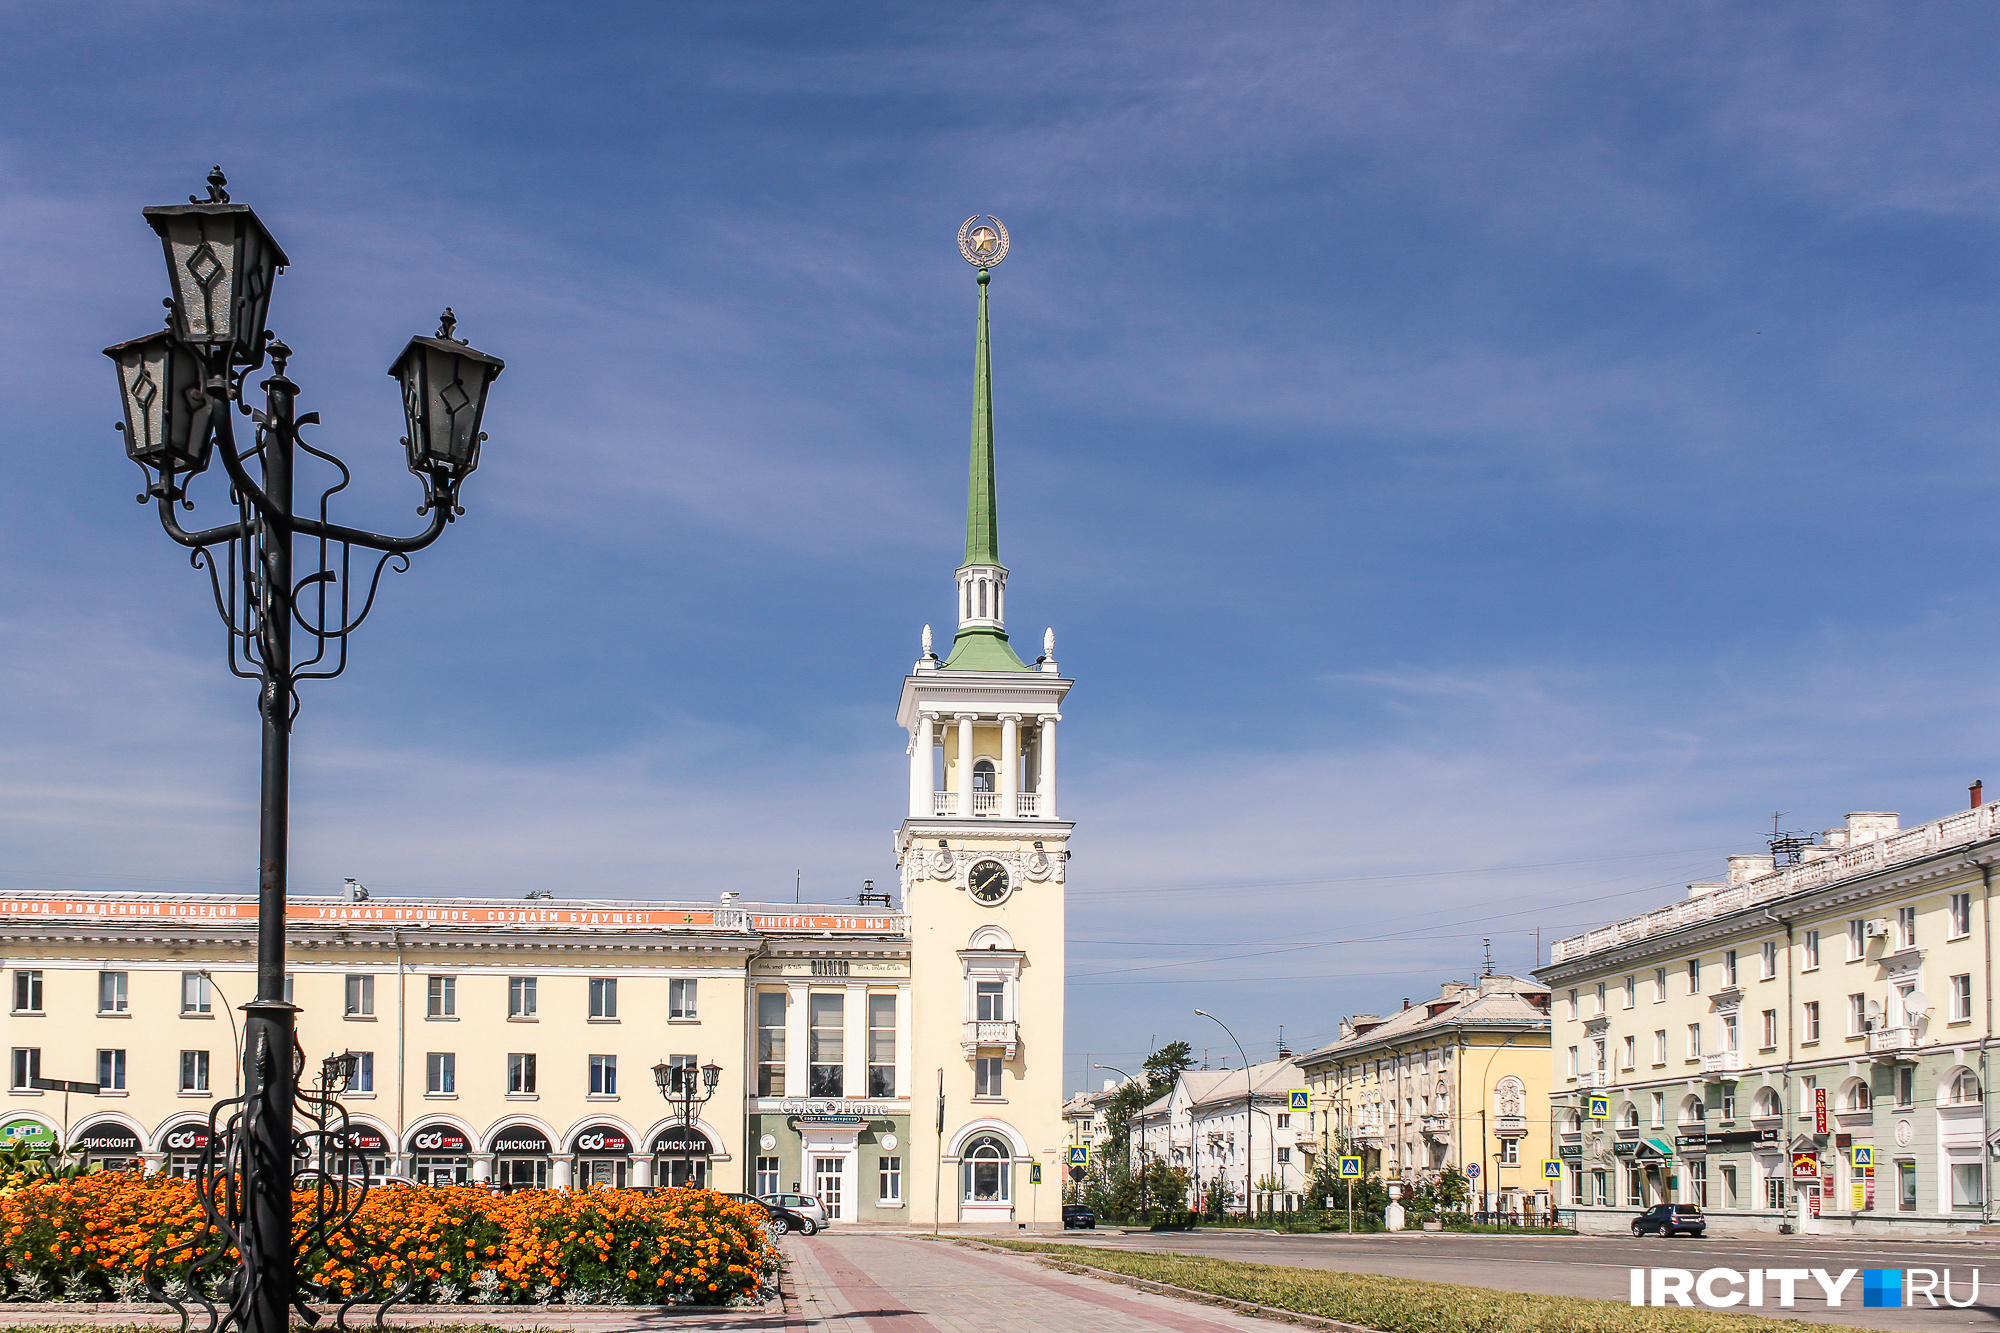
[(982, 506)]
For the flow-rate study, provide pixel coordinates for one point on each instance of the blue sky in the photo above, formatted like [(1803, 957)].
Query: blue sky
[(1479, 460)]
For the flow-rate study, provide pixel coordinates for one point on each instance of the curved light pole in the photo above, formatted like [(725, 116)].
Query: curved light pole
[(182, 386), (1249, 1093), (1145, 1202), (677, 1083)]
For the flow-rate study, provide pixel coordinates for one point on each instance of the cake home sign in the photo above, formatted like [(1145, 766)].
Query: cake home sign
[(1721, 1288)]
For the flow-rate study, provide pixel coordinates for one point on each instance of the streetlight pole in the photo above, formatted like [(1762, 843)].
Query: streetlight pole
[(181, 387), (1249, 1094), (677, 1083), (1145, 1203)]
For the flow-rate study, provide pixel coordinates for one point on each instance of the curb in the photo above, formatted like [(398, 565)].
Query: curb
[(470, 1313), (1277, 1314)]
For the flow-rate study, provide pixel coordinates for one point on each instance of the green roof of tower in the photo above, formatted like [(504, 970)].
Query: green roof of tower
[(982, 503)]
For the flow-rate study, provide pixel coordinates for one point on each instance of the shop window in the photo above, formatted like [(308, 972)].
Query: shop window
[(986, 1171), (889, 1176), (826, 1038), (770, 1043), (1968, 1185)]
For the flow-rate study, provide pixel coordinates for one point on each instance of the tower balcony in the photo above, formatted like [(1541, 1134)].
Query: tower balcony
[(977, 1034), (990, 804)]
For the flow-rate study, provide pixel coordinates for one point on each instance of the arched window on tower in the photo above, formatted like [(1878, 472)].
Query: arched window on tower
[(983, 775), (986, 1170), (982, 599)]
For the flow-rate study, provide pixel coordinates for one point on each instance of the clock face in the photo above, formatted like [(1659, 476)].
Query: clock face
[(987, 881)]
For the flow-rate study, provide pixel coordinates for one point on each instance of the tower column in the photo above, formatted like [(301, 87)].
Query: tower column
[(963, 785), (921, 760), (1010, 763), (1047, 785)]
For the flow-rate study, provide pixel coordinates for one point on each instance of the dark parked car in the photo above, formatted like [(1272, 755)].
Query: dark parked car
[(1668, 1218), (1076, 1216), (783, 1216)]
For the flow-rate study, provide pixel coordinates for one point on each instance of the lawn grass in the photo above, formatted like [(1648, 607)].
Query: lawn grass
[(1399, 1305)]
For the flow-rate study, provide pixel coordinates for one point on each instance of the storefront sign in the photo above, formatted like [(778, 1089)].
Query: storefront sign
[(831, 1106), (1573, 1150), (603, 1138), (1696, 1138), (1624, 1148), (359, 1138), (1819, 1110), (439, 1138), (1805, 1165), (522, 1141), (678, 1141), (27, 1131), (107, 1136), (188, 1138)]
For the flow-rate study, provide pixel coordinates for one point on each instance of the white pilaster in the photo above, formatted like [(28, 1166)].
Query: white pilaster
[(1010, 762), (482, 1167), (921, 760), (797, 1066), (854, 1076), (565, 1174), (642, 1170), (1047, 809)]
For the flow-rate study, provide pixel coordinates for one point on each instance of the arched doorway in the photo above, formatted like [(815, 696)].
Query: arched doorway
[(108, 1146), (603, 1152), (986, 1177), (521, 1156), (440, 1155), (680, 1156), (183, 1145)]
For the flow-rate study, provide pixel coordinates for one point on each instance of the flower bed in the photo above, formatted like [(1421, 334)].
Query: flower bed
[(91, 1237)]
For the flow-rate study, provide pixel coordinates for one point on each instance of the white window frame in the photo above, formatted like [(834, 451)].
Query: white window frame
[(1768, 955), (197, 994), (113, 992), (441, 996), (1961, 997), (682, 995), (524, 997), (441, 1074), (604, 999), (358, 995), (1960, 912)]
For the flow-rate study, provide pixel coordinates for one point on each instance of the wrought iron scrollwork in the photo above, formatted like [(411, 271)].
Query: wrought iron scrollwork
[(209, 1280)]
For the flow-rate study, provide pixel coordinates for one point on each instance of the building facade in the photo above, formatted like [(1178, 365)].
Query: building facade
[(1460, 1079), (1801, 1045), (1233, 1126), (902, 1065)]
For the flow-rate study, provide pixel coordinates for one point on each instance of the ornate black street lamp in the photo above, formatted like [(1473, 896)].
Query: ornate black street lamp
[(678, 1084), (182, 388)]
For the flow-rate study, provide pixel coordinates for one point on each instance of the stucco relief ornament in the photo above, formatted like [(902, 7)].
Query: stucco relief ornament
[(1906, 1133), (942, 864), (1039, 865), (983, 241), (1513, 1097), (927, 642)]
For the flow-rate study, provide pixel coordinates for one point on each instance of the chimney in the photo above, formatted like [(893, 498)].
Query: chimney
[(1406, 1001), (1976, 794)]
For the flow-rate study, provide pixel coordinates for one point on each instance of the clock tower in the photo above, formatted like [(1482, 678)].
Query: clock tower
[(983, 851)]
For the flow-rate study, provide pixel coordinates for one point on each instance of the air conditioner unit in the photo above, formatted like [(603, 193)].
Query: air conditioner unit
[(1879, 926)]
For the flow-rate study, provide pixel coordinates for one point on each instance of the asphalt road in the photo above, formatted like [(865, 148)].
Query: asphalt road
[(1600, 1266)]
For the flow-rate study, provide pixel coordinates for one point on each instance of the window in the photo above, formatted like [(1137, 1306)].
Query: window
[(1727, 1104), (1968, 1185), (521, 1074), (443, 997), (1631, 1053), (111, 992), (683, 1072), (1695, 1191), (1961, 997), (604, 1076), (1602, 1180), (1857, 1014), (1597, 1054), (1659, 985), (1631, 991), (1600, 998), (1811, 950), (197, 994), (767, 1175), (1510, 1153), (680, 998), (1630, 1116), (1906, 927), (983, 770), (1729, 1185), (1635, 1196), (1729, 967), (288, 988), (1774, 1192), (992, 1002), (361, 996), (1963, 1089), (111, 1071), (1731, 1039), (27, 1067), (1694, 1041), (441, 1074), (364, 1072), (1572, 1005), (194, 1071), (881, 1046), (889, 1177), (28, 992), (1572, 1062), (604, 997), (770, 1043), (826, 1044), (1961, 915), (1770, 1041), (987, 1170), (1768, 959), (1660, 1046), (1858, 1098), (1906, 1085), (1857, 939), (522, 993), (1906, 1187), (1694, 976), (1659, 1108), (987, 1077), (1809, 1029)]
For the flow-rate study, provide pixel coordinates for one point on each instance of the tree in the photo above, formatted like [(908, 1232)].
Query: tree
[(1167, 1064)]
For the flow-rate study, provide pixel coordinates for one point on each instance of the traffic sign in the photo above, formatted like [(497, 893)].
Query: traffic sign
[(1077, 1174), (1034, 1173), (1350, 1168), (1301, 1099), (1079, 1154), (1600, 1108), (1552, 1169), (1472, 1170), (1864, 1156)]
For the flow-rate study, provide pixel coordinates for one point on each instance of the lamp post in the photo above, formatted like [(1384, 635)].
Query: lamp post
[(1145, 1201), (677, 1083), (182, 387), (1249, 1094)]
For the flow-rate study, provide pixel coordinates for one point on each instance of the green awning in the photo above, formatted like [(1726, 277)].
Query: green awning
[(1659, 1148)]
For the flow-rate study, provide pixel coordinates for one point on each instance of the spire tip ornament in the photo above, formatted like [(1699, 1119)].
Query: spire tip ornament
[(983, 241)]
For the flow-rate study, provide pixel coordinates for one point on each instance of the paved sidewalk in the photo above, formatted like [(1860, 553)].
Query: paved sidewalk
[(853, 1283)]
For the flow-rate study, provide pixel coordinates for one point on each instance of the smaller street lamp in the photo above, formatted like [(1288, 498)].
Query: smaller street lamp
[(685, 1088)]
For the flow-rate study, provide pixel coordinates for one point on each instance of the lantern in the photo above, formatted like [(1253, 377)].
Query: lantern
[(711, 1074), (663, 1074), (166, 410), (221, 262), (444, 395)]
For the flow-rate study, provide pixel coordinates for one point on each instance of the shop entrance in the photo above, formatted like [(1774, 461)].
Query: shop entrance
[(827, 1173), (442, 1156), (680, 1157), (603, 1153), (521, 1158), (108, 1146)]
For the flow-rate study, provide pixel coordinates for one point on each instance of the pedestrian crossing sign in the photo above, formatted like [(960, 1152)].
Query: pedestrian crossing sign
[(1600, 1108), (1552, 1169), (1350, 1168), (1079, 1154), (1864, 1156), (1301, 1099)]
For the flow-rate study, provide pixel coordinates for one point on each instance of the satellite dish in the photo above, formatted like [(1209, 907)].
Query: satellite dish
[(1874, 1007), (1916, 1004)]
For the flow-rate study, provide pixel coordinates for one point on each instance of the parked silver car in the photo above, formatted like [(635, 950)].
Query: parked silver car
[(805, 1205)]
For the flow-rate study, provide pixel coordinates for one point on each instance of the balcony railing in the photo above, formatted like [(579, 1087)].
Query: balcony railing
[(1027, 804), (1722, 1062), (985, 802), (944, 803), (1595, 1078), (1885, 1040), (978, 1034), (1437, 1126)]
